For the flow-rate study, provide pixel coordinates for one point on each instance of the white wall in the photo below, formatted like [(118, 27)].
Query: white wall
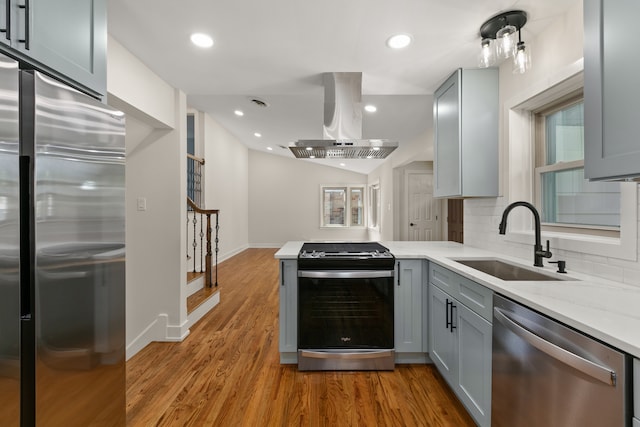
[(226, 184), (482, 216), (155, 171), (388, 176), (284, 200)]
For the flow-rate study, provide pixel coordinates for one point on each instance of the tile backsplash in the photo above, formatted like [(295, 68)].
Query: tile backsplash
[(481, 220)]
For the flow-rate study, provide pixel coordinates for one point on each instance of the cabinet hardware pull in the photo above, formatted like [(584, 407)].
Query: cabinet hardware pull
[(453, 306), (446, 313), (7, 12), (281, 273), (398, 273), (27, 9)]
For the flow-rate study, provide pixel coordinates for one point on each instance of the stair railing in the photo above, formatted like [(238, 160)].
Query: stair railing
[(197, 215)]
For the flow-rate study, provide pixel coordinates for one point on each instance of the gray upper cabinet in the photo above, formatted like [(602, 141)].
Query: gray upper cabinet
[(611, 90), (65, 38), (465, 112)]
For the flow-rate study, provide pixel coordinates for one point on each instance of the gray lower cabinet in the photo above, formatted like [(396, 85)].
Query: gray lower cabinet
[(408, 304), (66, 38), (460, 340), (288, 344), (611, 91)]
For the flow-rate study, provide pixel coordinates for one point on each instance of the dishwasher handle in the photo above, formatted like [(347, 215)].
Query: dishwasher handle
[(594, 370)]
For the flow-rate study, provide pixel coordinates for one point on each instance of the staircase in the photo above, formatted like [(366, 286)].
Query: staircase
[(202, 279)]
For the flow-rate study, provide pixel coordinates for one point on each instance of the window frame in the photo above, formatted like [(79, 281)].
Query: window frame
[(518, 151), (541, 167), (348, 219)]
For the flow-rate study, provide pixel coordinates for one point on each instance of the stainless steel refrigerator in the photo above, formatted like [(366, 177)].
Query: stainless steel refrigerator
[(62, 255)]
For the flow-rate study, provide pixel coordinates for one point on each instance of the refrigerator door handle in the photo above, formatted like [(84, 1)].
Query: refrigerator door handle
[(592, 369), (25, 250)]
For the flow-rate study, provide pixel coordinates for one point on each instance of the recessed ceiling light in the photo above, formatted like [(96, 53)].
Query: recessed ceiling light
[(312, 157), (376, 148), (399, 41), (309, 148), (269, 148), (369, 157), (343, 164), (370, 108), (238, 113), (201, 40), (257, 134)]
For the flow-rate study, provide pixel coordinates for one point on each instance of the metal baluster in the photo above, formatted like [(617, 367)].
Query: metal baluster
[(195, 243)]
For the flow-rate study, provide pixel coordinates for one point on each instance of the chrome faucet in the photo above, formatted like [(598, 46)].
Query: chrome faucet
[(538, 251)]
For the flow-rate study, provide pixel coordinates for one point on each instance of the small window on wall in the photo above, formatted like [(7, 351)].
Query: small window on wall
[(357, 206), (374, 205), (342, 206), (565, 197)]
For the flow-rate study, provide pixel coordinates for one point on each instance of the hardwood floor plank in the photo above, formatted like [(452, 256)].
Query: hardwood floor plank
[(227, 372)]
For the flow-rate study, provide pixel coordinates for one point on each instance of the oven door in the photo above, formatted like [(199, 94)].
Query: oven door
[(345, 320)]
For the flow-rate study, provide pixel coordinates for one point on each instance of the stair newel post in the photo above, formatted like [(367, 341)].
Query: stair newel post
[(207, 261), (217, 248)]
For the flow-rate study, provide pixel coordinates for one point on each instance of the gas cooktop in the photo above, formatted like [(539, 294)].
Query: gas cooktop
[(345, 255), (315, 250)]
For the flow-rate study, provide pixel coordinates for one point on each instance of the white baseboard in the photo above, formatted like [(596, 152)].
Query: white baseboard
[(229, 254), (158, 330)]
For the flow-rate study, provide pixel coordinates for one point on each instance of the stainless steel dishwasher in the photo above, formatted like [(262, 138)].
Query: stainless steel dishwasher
[(547, 374)]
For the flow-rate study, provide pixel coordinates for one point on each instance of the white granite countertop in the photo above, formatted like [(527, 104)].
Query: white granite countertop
[(606, 310)]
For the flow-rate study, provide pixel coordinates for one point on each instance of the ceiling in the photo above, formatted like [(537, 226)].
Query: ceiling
[(277, 50)]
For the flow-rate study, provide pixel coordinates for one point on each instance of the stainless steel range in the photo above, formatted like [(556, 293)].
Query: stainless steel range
[(345, 307)]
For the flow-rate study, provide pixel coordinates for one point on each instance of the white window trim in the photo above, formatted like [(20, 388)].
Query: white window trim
[(348, 188), (519, 126)]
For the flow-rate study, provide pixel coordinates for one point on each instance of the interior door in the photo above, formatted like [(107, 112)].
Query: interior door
[(455, 222), (422, 207)]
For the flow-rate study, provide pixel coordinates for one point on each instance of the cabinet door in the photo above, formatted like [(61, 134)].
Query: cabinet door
[(474, 363), (446, 122), (408, 306), (611, 90), (441, 338), (68, 37), (288, 340)]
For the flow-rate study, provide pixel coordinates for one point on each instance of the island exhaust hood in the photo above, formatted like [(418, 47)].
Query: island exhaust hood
[(343, 124)]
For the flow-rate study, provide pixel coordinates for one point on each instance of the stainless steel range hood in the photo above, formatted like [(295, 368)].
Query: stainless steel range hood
[(343, 124)]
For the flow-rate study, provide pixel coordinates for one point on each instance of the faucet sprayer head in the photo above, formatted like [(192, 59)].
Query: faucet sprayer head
[(502, 228)]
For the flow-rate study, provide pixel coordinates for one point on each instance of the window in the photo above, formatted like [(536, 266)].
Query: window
[(564, 197), (342, 206), (374, 205)]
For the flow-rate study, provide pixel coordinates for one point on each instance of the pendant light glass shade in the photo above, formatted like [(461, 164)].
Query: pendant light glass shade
[(487, 56), (521, 60), (506, 41)]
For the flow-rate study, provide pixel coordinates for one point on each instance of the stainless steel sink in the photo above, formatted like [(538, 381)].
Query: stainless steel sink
[(507, 271)]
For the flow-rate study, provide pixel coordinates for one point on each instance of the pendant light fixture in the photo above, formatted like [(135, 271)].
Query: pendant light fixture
[(522, 58), (499, 38)]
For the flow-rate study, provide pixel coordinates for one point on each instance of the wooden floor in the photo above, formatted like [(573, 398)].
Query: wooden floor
[(227, 372)]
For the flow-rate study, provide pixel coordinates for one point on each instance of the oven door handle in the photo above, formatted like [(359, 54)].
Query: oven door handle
[(346, 274), (366, 354)]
